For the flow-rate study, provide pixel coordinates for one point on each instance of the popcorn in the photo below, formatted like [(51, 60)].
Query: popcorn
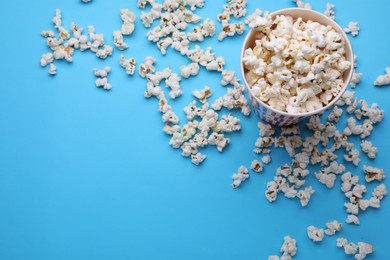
[(197, 158), (373, 173), (190, 70), (266, 159), (356, 77), (128, 19), (231, 30), (147, 67), (289, 248), (207, 29), (170, 117), (118, 41), (305, 195), (105, 52), (326, 179), (52, 69), (47, 34), (353, 156), (383, 80), (275, 80), (329, 11), (352, 219), (250, 18), (301, 4), (219, 140), (369, 149), (348, 181), (102, 80), (315, 234), (46, 59), (353, 28), (171, 129), (216, 64), (102, 73), (127, 64), (333, 227), (257, 166), (202, 95), (240, 176), (360, 251), (335, 115), (379, 192)]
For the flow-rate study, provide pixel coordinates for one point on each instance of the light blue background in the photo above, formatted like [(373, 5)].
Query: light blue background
[(88, 174)]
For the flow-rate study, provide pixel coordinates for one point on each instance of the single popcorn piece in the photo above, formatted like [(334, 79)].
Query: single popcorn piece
[(380, 192), (127, 64), (52, 69), (369, 149), (118, 41), (147, 67), (356, 77), (203, 94), (128, 19), (102, 73), (373, 173), (197, 158), (103, 82), (105, 52), (257, 166), (46, 59), (266, 159), (289, 248), (305, 195), (315, 234), (297, 70), (383, 80), (329, 11), (332, 227), (190, 70), (352, 219), (353, 29), (240, 176), (301, 4)]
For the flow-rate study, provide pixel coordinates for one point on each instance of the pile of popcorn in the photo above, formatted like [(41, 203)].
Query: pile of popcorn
[(295, 66)]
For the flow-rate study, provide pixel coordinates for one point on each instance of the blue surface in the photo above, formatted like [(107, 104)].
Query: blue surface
[(88, 174)]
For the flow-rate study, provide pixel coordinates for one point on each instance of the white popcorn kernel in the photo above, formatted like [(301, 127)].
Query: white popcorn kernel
[(147, 67), (301, 4), (216, 64), (348, 181), (105, 52), (329, 11), (177, 140), (373, 173), (231, 29), (352, 219), (332, 227), (103, 82), (52, 69), (257, 166), (289, 247), (326, 179), (219, 140), (170, 117), (203, 94), (352, 208), (266, 159), (241, 175), (164, 44), (171, 129), (47, 34), (128, 19), (353, 29), (353, 156), (128, 64), (315, 234), (383, 80), (190, 70), (369, 149), (335, 115), (46, 59), (250, 18), (379, 192), (197, 158), (356, 77), (364, 250), (305, 195), (118, 41), (102, 73)]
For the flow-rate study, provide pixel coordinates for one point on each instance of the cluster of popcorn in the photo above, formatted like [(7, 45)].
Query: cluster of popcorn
[(317, 234), (102, 80), (128, 26), (360, 251), (63, 46), (237, 9), (204, 125), (288, 249), (296, 66)]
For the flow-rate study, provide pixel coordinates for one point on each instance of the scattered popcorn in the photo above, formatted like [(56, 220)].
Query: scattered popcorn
[(257, 166), (127, 64), (353, 29), (360, 251), (332, 227), (102, 73), (240, 176), (316, 66), (315, 234), (373, 173), (383, 80)]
